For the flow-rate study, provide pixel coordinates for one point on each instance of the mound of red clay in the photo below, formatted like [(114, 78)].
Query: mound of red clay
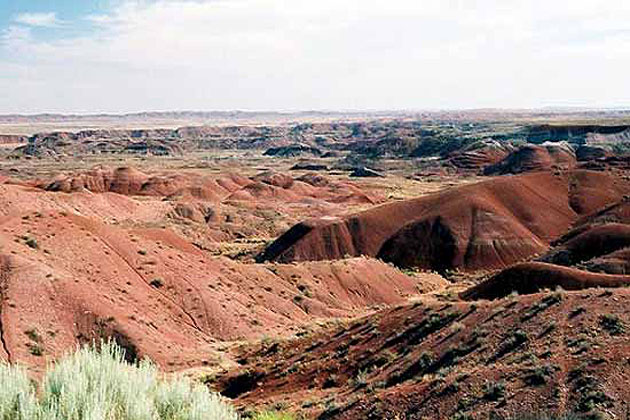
[(597, 241), (480, 155), (617, 262), (530, 158), (491, 224), (80, 266), (314, 179), (266, 186), (275, 179), (533, 277), (274, 186), (130, 181), (613, 213), (72, 278)]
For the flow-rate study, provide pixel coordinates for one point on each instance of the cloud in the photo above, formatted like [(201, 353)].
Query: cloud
[(37, 19), (326, 54)]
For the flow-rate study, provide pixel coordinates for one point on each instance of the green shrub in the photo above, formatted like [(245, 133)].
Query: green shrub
[(612, 324), (31, 243), (272, 415), (99, 385), (494, 391), (17, 394)]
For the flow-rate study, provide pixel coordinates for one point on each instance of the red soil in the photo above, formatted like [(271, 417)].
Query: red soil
[(586, 244), (130, 181), (230, 187), (274, 186), (530, 158), (491, 224), (435, 360), (480, 155), (617, 262), (614, 213), (75, 268), (533, 277)]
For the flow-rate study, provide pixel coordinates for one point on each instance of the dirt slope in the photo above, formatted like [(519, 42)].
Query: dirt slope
[(530, 158), (596, 241), (479, 155), (536, 276), (82, 265), (544, 352), (490, 224)]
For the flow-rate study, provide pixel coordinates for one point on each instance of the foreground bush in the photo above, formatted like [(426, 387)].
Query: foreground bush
[(100, 385)]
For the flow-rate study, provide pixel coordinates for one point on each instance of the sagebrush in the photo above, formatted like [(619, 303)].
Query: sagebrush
[(97, 384)]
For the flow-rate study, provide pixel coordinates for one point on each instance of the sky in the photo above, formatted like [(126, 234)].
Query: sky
[(91, 56)]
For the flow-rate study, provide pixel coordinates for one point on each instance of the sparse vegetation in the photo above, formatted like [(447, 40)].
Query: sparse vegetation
[(494, 391), (539, 375), (541, 306), (612, 324), (35, 349), (360, 380), (31, 242), (514, 340), (262, 324), (157, 283)]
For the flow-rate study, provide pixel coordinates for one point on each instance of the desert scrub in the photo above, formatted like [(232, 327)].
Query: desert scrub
[(612, 324), (17, 394), (494, 391), (273, 415), (99, 385), (31, 242)]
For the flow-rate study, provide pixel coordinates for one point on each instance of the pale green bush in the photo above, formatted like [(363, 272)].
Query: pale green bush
[(17, 394), (100, 385)]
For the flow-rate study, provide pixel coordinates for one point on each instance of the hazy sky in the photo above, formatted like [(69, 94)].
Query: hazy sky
[(121, 56)]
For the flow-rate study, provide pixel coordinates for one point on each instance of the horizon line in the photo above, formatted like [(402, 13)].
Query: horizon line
[(79, 114)]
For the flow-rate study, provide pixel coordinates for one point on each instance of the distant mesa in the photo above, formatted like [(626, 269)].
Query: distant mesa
[(149, 142), (363, 172), (331, 154), (12, 139), (585, 152), (293, 150), (309, 166), (577, 133)]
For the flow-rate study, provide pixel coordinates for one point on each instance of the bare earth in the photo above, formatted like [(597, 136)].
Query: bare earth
[(331, 265)]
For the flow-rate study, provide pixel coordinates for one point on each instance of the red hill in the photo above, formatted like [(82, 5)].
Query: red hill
[(491, 224)]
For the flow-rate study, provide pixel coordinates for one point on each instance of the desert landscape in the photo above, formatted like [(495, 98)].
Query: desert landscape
[(447, 265), (314, 210)]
